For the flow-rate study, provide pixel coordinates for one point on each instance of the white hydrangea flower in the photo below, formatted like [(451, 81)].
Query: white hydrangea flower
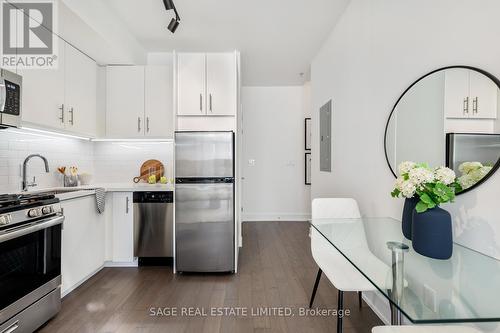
[(473, 176), (408, 189), (420, 176), (405, 167), (467, 167), (466, 181), (445, 175), (398, 184)]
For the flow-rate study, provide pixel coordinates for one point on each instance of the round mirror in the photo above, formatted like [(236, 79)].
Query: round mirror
[(448, 117)]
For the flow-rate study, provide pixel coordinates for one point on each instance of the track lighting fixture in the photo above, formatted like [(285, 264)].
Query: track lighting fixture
[(174, 23)]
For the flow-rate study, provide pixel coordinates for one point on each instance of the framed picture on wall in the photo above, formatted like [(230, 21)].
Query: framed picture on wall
[(307, 133), (308, 161)]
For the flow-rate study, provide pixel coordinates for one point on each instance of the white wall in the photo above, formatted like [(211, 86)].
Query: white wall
[(376, 50), (273, 136)]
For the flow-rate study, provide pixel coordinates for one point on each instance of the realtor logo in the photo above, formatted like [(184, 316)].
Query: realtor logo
[(28, 34)]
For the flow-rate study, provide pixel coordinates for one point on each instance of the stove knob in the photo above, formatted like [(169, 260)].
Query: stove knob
[(3, 220), (47, 210), (33, 213), (9, 218)]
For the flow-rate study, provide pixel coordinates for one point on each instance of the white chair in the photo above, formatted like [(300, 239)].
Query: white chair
[(424, 329), (337, 269)]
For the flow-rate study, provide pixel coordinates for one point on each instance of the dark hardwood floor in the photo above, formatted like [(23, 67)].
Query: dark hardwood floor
[(275, 270)]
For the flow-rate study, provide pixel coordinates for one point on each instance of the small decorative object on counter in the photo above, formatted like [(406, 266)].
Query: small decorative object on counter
[(425, 189), (85, 178), (152, 179), (70, 181), (163, 180), (149, 168)]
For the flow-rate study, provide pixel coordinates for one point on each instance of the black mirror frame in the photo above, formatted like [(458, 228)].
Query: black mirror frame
[(487, 74)]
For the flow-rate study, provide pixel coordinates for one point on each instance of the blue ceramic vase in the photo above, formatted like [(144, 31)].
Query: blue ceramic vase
[(407, 218), (432, 233)]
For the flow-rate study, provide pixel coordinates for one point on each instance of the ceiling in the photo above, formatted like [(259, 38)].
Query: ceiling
[(277, 38)]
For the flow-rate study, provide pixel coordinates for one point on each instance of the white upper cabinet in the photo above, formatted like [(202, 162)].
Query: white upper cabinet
[(43, 95), (469, 94), (139, 102), (63, 98), (81, 91), (206, 84), (221, 84), (456, 93), (191, 81), (125, 101), (484, 96), (158, 102)]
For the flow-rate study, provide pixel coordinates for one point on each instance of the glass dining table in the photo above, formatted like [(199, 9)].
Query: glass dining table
[(464, 288)]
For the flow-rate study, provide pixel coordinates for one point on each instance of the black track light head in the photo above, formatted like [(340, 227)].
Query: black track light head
[(169, 4), (174, 24)]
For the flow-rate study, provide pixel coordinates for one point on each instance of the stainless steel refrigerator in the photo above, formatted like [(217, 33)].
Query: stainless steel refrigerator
[(472, 147), (204, 201)]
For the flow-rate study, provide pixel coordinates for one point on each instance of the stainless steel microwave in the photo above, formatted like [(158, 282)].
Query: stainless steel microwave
[(10, 99)]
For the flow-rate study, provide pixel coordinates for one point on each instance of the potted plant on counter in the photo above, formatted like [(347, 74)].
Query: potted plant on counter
[(425, 189)]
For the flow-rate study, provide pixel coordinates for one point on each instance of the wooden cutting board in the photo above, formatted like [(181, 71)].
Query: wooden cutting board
[(149, 168)]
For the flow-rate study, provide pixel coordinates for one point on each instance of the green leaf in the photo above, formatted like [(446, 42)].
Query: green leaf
[(421, 207), (425, 198), (395, 193)]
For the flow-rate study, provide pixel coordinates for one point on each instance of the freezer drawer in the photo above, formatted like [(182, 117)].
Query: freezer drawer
[(204, 227), (204, 154)]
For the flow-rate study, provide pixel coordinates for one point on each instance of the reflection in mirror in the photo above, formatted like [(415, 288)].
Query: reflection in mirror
[(450, 118)]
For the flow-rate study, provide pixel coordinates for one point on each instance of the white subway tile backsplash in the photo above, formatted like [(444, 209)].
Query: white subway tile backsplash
[(108, 162)]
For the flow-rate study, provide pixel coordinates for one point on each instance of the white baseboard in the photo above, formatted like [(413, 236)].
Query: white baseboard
[(250, 217), (79, 283), (134, 263)]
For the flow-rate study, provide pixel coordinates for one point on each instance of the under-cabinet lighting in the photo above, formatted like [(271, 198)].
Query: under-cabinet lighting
[(131, 140), (39, 132)]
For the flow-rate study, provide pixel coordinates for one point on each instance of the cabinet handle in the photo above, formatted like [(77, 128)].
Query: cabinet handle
[(466, 105), (126, 205), (72, 119), (138, 124), (201, 102), (62, 113), (475, 105), (147, 124), (210, 102)]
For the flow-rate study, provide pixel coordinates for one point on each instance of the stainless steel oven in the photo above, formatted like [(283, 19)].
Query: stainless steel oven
[(10, 99), (30, 268)]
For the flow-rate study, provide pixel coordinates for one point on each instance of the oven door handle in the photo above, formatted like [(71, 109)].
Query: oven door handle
[(33, 227), (3, 94)]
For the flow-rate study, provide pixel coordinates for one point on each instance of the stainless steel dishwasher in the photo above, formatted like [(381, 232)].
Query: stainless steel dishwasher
[(153, 225)]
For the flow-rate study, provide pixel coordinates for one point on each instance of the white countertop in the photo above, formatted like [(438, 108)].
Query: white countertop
[(86, 190)]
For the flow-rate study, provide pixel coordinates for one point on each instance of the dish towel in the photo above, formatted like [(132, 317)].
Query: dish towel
[(100, 198)]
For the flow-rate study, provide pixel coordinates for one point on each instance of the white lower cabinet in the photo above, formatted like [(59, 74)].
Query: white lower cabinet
[(83, 241), (123, 228)]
